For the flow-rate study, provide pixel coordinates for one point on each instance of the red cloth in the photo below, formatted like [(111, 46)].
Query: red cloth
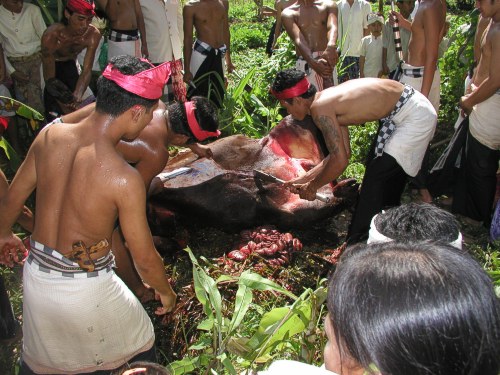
[(4, 123), (87, 8)]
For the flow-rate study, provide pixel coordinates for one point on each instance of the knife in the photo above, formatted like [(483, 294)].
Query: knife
[(268, 177), (176, 172)]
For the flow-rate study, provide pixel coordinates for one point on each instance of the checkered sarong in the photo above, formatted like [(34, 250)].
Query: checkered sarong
[(117, 36), (388, 125), (205, 48), (414, 72), (49, 260)]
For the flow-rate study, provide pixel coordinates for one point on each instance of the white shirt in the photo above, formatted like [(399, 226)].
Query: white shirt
[(388, 43), (163, 22), (351, 23), (21, 33), (371, 49)]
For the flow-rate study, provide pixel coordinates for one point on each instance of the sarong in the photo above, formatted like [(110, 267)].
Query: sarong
[(207, 68), (484, 121), (124, 42), (176, 88), (76, 321), (29, 92), (349, 68), (413, 75), (314, 78)]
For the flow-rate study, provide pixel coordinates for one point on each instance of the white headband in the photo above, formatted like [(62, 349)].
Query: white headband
[(374, 236)]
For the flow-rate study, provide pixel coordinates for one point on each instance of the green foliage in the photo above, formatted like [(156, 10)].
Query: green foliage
[(247, 35), (223, 345)]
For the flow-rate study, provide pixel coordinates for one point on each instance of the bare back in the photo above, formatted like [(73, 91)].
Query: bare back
[(311, 20), (78, 199), (122, 14), (209, 18), (358, 101), (427, 29)]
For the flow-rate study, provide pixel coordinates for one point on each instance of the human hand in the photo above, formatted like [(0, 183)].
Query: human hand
[(167, 301), (464, 104), (201, 150), (19, 76), (395, 17), (12, 250), (331, 55), (230, 67), (144, 51), (323, 68), (188, 76), (305, 191)]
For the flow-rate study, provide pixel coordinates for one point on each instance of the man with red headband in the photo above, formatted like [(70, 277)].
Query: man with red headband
[(78, 316), (178, 125), (65, 85), (408, 124)]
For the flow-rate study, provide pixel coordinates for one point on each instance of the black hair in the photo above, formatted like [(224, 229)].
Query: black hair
[(420, 309), (289, 78), (151, 368), (417, 222), (205, 113), (114, 100), (64, 20)]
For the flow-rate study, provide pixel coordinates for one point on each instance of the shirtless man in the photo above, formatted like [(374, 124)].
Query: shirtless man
[(409, 122), (475, 190), (421, 71), (279, 6), (78, 316), (210, 21), (61, 43), (312, 26), (148, 153), (127, 25)]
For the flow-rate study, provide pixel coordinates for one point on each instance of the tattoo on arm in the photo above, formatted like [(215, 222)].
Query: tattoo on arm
[(330, 133)]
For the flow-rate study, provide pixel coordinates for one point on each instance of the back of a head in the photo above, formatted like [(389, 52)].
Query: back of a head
[(415, 309), (288, 78), (114, 100), (416, 222), (205, 114), (144, 368)]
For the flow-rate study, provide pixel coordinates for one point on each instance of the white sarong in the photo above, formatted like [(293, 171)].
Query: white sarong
[(484, 121), (415, 81), (79, 323)]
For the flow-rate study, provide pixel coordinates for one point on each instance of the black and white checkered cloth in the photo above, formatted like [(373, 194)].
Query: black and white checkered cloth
[(117, 36), (388, 125), (414, 72), (205, 48)]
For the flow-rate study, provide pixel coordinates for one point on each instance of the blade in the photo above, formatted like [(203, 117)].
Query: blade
[(266, 176), (176, 172)]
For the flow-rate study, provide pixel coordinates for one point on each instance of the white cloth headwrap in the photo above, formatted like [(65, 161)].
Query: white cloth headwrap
[(374, 236)]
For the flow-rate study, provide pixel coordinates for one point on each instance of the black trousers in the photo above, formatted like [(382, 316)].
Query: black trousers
[(383, 184), (476, 186)]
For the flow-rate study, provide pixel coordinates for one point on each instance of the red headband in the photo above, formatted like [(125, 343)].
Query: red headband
[(4, 123), (87, 8), (300, 88), (197, 131), (146, 84)]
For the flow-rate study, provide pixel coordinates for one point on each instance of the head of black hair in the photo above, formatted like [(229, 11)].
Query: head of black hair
[(415, 222), (114, 100), (288, 78), (420, 309), (205, 113)]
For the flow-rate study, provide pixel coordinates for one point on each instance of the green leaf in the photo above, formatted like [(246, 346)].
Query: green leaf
[(14, 160), (257, 282), (227, 363), (22, 110), (184, 366), (242, 303), (206, 325)]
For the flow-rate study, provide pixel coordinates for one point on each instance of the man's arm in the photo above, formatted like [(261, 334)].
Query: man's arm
[(188, 18), (88, 62), (25, 219), (292, 29), (227, 38), (142, 29), (133, 223), (333, 165), (492, 83), (11, 207), (430, 21), (331, 55)]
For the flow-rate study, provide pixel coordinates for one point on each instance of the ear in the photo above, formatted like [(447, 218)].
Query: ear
[(66, 14)]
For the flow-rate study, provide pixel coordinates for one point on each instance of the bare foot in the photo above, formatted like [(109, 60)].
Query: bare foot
[(424, 196)]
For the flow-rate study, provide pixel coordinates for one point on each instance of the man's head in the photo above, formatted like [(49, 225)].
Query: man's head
[(375, 24), (15, 6), (78, 15), (405, 7), (294, 92), (129, 83), (415, 222), (422, 308), (193, 121), (488, 8)]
